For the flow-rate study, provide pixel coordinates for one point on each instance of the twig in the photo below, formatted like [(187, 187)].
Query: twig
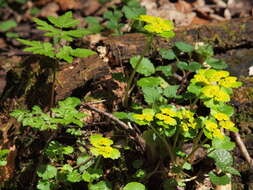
[(243, 149), (133, 134)]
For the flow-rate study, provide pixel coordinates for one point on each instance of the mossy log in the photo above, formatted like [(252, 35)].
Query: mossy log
[(223, 35)]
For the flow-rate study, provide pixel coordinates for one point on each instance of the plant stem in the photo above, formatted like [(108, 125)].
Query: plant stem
[(52, 100), (97, 162), (167, 145), (195, 146), (131, 78), (176, 139)]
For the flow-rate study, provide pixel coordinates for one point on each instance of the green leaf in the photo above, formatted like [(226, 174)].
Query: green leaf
[(67, 150), (65, 54), (225, 143), (187, 166), (78, 33), (149, 82), (74, 176), (232, 171), (166, 70), (145, 67), (44, 185), (223, 180), (167, 54), (182, 65), (102, 185), (64, 21), (184, 47), (93, 24), (194, 88), (167, 34), (206, 50), (151, 94), (47, 172), (225, 108), (134, 186), (81, 52), (222, 158), (171, 91), (37, 47), (194, 66), (12, 35), (7, 25), (92, 174), (121, 115), (133, 12), (43, 25), (84, 159), (216, 63)]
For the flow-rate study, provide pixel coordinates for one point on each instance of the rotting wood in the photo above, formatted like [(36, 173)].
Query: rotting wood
[(225, 35), (74, 76)]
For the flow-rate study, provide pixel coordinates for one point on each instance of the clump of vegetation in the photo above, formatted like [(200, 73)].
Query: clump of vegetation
[(183, 100)]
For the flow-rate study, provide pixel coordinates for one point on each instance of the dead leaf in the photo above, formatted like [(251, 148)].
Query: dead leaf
[(90, 7), (50, 10), (2, 43), (69, 4)]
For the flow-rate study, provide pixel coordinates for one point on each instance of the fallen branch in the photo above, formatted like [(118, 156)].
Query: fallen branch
[(133, 134), (243, 149)]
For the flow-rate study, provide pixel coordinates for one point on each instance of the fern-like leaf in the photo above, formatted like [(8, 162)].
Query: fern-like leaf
[(64, 21), (37, 47)]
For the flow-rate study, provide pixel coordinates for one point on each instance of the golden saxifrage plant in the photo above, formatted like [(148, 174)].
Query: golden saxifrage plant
[(175, 95)]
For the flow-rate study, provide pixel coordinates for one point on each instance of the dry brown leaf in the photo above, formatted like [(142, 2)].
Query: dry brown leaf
[(69, 4), (90, 7), (49, 10), (183, 6), (168, 10), (2, 43), (196, 20)]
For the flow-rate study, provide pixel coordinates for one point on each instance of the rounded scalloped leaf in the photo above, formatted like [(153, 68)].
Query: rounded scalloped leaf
[(134, 186), (145, 67)]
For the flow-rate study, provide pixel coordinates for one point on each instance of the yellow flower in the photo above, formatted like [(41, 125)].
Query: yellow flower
[(187, 114), (158, 25), (105, 151), (215, 76), (144, 116), (210, 125), (222, 96), (98, 140), (228, 125), (221, 116), (230, 82), (214, 91), (166, 119), (138, 116), (169, 112), (185, 127), (217, 133), (170, 121), (200, 77)]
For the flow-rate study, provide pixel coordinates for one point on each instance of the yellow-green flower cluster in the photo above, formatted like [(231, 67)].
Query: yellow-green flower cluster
[(145, 118), (102, 146), (158, 25), (213, 129), (167, 115), (215, 82), (187, 120), (222, 121)]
